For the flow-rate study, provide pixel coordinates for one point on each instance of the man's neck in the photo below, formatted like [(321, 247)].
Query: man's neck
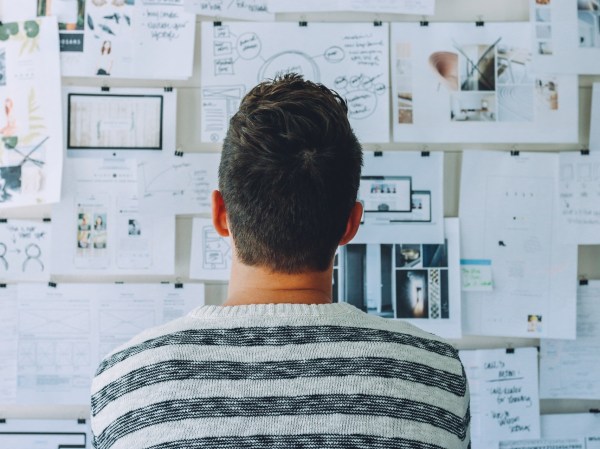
[(257, 285)]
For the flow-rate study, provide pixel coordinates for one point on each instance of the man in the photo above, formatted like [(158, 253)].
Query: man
[(279, 365)]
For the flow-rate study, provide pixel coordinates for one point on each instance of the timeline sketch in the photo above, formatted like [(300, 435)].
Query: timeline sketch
[(349, 58), (211, 253), (177, 184), (24, 250)]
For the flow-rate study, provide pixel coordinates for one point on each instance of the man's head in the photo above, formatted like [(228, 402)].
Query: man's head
[(289, 176)]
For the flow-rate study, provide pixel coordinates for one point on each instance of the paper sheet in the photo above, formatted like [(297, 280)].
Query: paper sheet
[(25, 250), (178, 184), (99, 228), (44, 434), (211, 253), (121, 39), (571, 425), (595, 119), (351, 58), (31, 145), (418, 283), (223, 9), (421, 7), (64, 331), (402, 193), (462, 83), (579, 190), (566, 36), (504, 395), (120, 123), (569, 369), (11, 11), (508, 210), (8, 344)]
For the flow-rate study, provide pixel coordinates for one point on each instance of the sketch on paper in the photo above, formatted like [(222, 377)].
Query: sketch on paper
[(211, 253), (30, 146), (476, 84), (511, 224), (178, 184), (24, 250), (350, 58)]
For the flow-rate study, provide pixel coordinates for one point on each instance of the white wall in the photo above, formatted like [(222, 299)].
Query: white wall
[(188, 138)]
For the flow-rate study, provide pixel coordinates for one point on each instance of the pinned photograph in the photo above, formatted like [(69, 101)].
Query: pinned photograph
[(588, 14)]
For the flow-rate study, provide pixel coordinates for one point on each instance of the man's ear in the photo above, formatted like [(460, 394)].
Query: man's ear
[(219, 214), (353, 223)]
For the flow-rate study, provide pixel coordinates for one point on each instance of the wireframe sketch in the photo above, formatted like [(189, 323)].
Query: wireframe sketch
[(217, 251), (352, 59)]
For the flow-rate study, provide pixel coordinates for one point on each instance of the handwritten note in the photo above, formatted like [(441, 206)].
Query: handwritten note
[(476, 275), (231, 9), (579, 202), (504, 395)]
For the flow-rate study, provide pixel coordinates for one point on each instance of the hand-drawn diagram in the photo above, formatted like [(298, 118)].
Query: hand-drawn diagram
[(24, 248), (211, 253), (349, 58), (178, 185), (476, 84), (217, 251)]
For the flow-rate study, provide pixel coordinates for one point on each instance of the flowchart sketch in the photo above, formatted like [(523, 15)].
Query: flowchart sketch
[(178, 184), (456, 82), (566, 36), (211, 253), (257, 10), (351, 58), (25, 250)]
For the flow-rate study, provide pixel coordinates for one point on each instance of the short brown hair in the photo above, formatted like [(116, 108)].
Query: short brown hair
[(289, 175)]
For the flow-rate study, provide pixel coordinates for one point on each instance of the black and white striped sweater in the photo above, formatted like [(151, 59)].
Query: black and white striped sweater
[(281, 376)]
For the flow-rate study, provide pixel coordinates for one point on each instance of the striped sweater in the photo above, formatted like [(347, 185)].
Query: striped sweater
[(281, 376)]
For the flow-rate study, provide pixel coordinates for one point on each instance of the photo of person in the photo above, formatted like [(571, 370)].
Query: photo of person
[(100, 222), (134, 227), (105, 61), (83, 239), (83, 222)]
